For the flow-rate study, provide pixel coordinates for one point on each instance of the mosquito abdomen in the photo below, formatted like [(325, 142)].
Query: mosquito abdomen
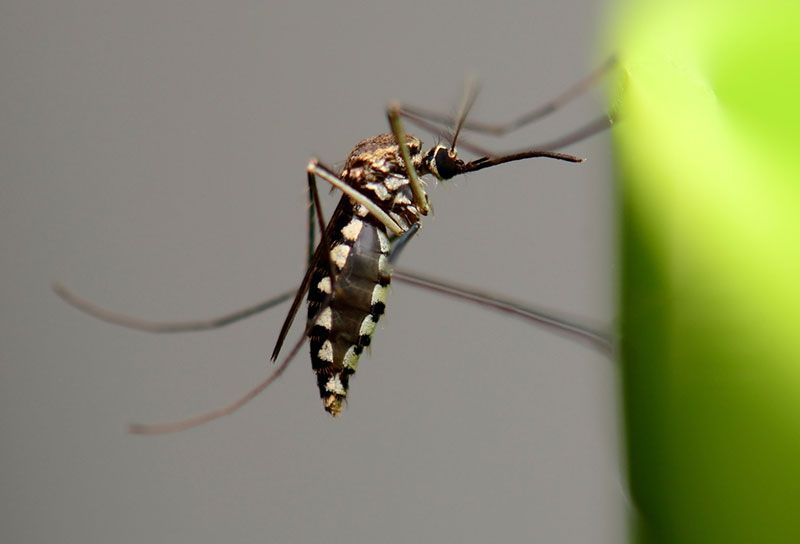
[(354, 302)]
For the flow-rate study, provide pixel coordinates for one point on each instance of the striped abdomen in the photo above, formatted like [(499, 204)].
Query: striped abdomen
[(344, 326)]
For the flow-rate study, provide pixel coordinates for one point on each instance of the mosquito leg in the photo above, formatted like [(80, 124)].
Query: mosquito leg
[(322, 252), (136, 323), (164, 428), (182, 425), (596, 126), (597, 339), (420, 198), (322, 171), (311, 235), (431, 121), (324, 242), (543, 318), (222, 321), (399, 243), (588, 130), (543, 110), (444, 134)]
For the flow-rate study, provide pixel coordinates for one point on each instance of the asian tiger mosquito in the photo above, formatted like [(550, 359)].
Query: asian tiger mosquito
[(380, 210)]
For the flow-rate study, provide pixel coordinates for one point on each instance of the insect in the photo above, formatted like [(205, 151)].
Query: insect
[(382, 205)]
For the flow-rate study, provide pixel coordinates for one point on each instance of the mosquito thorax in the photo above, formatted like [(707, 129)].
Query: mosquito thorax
[(443, 162), (376, 169), (379, 156)]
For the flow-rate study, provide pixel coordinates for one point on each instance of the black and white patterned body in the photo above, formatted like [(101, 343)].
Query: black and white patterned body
[(346, 309)]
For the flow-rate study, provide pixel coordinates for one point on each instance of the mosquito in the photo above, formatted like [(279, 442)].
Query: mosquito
[(349, 271)]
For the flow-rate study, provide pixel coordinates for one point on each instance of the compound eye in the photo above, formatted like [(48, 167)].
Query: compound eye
[(446, 162)]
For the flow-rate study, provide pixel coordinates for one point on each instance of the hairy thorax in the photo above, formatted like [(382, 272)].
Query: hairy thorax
[(375, 168)]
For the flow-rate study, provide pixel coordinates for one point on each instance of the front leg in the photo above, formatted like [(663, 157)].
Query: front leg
[(323, 172), (420, 198)]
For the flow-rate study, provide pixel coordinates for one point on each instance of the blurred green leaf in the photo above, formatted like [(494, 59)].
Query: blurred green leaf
[(708, 157)]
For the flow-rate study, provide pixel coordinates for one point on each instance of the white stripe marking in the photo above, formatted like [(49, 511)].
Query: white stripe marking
[(383, 266), (352, 229), (393, 183), (379, 294), (324, 285), (383, 241), (401, 199), (325, 319), (379, 189), (335, 386), (350, 358), (339, 255), (367, 326), (326, 352)]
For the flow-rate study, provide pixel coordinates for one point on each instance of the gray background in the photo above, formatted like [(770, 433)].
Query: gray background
[(152, 157)]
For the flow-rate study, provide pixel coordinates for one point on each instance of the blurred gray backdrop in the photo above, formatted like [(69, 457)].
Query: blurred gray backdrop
[(152, 157)]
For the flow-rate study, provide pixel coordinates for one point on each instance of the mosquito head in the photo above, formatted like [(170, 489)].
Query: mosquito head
[(443, 162)]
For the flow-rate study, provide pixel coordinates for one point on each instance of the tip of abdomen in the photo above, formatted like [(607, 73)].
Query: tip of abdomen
[(334, 404), (334, 394)]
